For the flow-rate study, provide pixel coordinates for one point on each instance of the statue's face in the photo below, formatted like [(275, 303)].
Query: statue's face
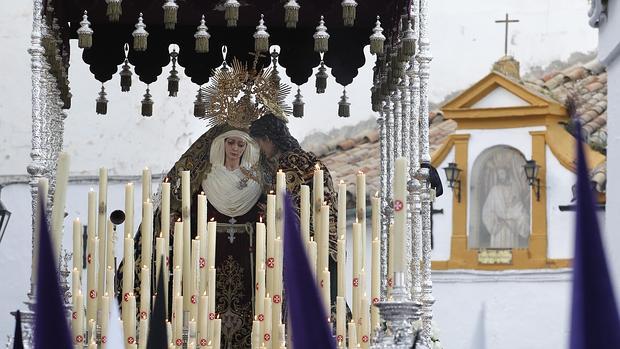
[(266, 146), (501, 175), (234, 148)]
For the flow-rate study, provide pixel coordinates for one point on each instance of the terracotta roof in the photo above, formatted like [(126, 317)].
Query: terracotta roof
[(588, 82)]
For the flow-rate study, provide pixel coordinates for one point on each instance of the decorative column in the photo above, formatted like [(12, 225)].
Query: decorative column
[(37, 168), (406, 141), (415, 226), (424, 58), (383, 203)]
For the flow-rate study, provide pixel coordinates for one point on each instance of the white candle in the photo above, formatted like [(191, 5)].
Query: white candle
[(91, 224), (304, 212), (177, 329), (211, 293), (60, 195), (147, 233), (357, 268), (129, 320), (203, 320), (375, 216), (128, 268), (109, 286), (104, 318), (211, 245), (185, 210), (280, 191), (260, 291), (202, 237), (217, 333), (323, 241), (159, 258), (267, 322), (176, 281), (145, 292), (365, 324), (142, 333), (76, 281), (146, 185), (91, 283), (342, 209), (165, 214), (42, 190), (341, 265), (352, 335), (341, 320), (311, 248), (360, 209), (271, 236), (177, 250), (193, 309), (318, 196), (375, 282), (400, 213), (77, 245), (77, 318), (128, 225), (256, 334), (276, 309), (102, 225), (325, 290)]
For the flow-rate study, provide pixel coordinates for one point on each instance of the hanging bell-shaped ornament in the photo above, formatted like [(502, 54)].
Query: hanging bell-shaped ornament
[(321, 37), (348, 12), (231, 12), (170, 14), (147, 104), (85, 34), (298, 105), (275, 75), (344, 106), (102, 103), (321, 78), (407, 43), (291, 13), (139, 35), (114, 10), (261, 37), (173, 78), (126, 72), (377, 39), (200, 107), (202, 37), (125, 77)]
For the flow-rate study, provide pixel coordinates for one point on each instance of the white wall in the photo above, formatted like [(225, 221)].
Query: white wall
[(442, 223), (524, 309), (609, 38), (560, 225)]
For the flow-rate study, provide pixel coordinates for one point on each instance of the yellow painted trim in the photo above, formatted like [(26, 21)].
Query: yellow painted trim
[(440, 153), (562, 144), (487, 84), (550, 264)]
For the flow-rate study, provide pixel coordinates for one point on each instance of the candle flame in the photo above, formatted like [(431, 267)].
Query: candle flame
[(260, 219), (342, 237), (271, 192), (377, 194), (179, 219), (317, 167), (280, 171), (204, 293), (202, 192), (341, 181), (212, 219), (165, 179), (161, 234), (360, 172)]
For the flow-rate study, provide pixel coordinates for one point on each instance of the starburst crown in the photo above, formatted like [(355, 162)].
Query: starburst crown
[(237, 95)]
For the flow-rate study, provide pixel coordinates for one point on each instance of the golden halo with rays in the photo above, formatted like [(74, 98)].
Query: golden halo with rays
[(238, 96)]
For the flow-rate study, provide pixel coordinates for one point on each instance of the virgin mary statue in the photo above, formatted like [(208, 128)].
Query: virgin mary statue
[(223, 164)]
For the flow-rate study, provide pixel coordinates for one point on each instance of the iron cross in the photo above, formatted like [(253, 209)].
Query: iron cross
[(506, 31)]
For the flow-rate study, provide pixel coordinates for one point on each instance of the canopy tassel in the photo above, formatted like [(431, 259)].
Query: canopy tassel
[(140, 35), (202, 37), (298, 105), (261, 36), (170, 14), (102, 102), (344, 107), (85, 33), (291, 13), (147, 103), (114, 10), (321, 37)]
